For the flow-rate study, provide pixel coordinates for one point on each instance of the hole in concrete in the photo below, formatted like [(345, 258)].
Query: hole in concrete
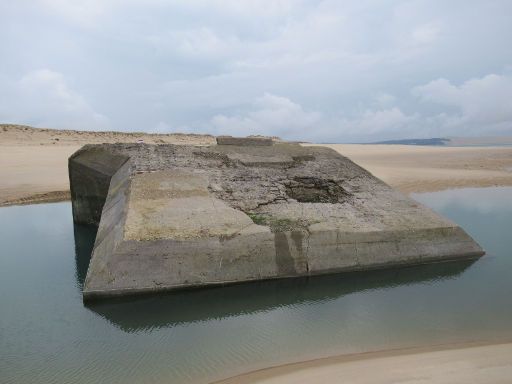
[(315, 190)]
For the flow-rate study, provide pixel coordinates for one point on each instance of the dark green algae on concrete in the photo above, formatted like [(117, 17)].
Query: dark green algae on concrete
[(243, 210)]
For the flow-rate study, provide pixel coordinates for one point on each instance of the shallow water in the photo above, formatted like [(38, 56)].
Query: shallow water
[(47, 335)]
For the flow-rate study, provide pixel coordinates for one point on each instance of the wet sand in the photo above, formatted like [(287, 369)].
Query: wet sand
[(454, 364)]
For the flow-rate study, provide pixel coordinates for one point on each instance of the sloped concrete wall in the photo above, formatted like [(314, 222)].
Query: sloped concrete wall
[(111, 228), (90, 171)]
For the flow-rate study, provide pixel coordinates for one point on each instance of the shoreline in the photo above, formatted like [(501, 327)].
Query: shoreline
[(38, 173), (39, 198), (35, 162), (406, 363)]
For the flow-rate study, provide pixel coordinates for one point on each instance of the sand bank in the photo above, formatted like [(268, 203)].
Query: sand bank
[(429, 168), (34, 173), (483, 364), (34, 162)]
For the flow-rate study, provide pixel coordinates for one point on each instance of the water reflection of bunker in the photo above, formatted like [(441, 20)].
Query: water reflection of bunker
[(137, 313)]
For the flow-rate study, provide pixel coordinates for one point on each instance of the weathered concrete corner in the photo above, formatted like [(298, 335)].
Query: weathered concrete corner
[(174, 217)]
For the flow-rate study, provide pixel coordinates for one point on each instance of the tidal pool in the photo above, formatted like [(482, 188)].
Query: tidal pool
[(48, 336)]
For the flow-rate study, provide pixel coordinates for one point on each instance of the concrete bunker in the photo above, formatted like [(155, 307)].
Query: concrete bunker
[(172, 217)]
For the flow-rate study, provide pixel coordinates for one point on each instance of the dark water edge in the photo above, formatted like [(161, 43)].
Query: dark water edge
[(47, 335)]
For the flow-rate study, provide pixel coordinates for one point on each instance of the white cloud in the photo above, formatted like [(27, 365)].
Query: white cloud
[(278, 115), (86, 13), (194, 43), (373, 123), (270, 115), (383, 99), (426, 33), (327, 69), (482, 105), (43, 98)]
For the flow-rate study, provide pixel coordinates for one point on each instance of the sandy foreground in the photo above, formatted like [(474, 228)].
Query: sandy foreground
[(482, 364), (34, 162)]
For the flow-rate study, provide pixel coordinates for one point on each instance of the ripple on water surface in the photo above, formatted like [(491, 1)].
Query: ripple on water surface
[(47, 335)]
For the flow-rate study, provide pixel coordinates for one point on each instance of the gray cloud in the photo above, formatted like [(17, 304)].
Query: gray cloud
[(313, 70), (479, 103), (43, 97)]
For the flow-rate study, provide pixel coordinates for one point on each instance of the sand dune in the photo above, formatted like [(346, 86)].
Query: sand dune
[(11, 134), (34, 162)]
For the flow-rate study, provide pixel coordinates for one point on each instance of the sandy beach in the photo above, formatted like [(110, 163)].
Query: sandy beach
[(430, 168), (455, 364), (34, 162)]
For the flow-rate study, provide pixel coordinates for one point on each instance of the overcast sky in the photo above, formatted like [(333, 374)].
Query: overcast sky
[(337, 71)]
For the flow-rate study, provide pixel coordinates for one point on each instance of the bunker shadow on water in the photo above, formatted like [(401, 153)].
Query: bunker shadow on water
[(47, 335), (133, 314), (85, 236)]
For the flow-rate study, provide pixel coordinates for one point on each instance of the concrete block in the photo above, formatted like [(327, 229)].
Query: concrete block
[(244, 141), (173, 217)]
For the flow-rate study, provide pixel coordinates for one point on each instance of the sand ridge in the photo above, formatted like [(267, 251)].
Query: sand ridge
[(34, 162)]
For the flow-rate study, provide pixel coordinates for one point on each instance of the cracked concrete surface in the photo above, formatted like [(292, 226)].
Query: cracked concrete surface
[(182, 216)]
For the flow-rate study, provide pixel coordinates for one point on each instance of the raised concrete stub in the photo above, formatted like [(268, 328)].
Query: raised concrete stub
[(244, 141), (183, 216)]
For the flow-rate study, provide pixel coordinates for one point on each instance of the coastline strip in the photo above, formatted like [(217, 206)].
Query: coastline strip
[(476, 362)]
